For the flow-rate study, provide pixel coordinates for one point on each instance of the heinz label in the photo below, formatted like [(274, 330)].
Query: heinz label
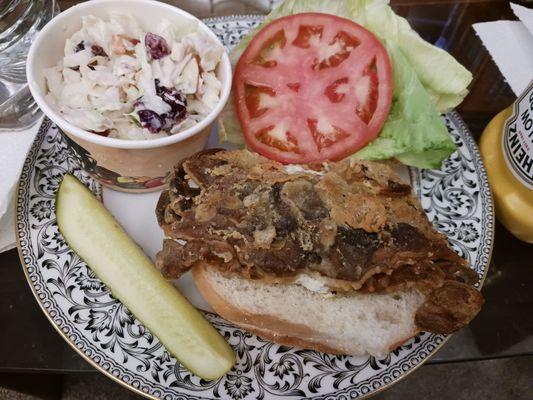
[(518, 139)]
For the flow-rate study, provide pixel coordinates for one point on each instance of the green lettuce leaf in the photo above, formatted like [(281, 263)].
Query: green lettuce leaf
[(414, 132), (442, 76), (427, 81)]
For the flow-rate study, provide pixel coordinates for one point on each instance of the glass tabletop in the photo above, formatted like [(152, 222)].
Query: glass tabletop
[(504, 328)]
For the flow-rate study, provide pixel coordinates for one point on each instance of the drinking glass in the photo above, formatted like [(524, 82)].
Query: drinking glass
[(20, 20)]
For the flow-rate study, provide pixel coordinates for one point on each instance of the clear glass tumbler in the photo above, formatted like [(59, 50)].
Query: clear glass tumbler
[(20, 20)]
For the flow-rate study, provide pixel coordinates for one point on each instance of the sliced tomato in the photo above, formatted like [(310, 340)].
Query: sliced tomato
[(312, 87)]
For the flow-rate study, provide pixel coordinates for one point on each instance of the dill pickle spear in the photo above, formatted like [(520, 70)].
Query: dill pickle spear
[(92, 232)]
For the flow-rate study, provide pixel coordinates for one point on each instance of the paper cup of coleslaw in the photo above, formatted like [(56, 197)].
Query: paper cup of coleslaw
[(134, 85)]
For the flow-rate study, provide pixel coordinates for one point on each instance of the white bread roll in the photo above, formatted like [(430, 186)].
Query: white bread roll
[(290, 314)]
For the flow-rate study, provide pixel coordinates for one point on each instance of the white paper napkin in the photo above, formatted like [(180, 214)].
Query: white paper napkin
[(13, 149), (525, 15), (510, 43)]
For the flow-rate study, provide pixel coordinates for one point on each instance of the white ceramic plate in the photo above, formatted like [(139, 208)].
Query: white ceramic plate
[(456, 199)]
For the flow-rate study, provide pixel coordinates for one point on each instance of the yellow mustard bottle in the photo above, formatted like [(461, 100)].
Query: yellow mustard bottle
[(506, 146)]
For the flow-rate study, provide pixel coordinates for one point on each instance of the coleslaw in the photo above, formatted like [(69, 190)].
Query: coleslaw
[(118, 80)]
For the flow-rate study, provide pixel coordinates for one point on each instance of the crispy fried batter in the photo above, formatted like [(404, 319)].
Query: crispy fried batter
[(355, 224), (449, 307)]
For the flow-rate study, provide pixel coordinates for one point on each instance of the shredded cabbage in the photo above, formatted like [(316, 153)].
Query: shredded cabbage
[(108, 75)]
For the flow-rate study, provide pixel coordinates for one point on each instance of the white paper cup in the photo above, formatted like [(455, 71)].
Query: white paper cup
[(125, 165)]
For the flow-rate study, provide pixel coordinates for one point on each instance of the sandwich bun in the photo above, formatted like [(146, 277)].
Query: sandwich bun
[(289, 314)]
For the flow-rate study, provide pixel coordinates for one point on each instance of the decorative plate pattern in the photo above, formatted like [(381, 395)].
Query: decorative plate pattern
[(457, 199)]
